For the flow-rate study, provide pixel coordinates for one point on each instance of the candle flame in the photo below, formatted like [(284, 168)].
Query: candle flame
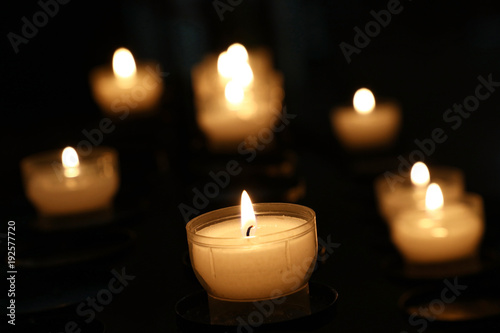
[(123, 64), (238, 52), (434, 197), (363, 101), (70, 162), (234, 92), (248, 222), (233, 64), (420, 174)]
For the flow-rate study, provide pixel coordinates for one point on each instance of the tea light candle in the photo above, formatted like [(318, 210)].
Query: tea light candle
[(63, 184), (440, 233), (236, 95), (366, 125), (251, 256), (126, 87), (398, 192)]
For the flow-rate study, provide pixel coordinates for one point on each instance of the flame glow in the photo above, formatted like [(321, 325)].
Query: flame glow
[(233, 64), (363, 101), (234, 92), (238, 52), (70, 162), (434, 197), (248, 222), (124, 64), (420, 174)]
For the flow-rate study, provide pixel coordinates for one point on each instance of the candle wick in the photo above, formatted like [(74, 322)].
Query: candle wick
[(248, 230)]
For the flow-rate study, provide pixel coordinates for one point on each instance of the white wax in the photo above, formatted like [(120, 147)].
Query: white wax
[(366, 131), (451, 234), (257, 267), (138, 95)]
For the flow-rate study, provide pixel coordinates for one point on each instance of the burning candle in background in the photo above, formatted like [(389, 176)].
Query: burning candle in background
[(237, 94), (395, 192), (63, 184), (126, 87), (366, 125), (441, 232), (248, 253)]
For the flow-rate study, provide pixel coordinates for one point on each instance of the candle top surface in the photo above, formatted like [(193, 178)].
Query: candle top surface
[(266, 225)]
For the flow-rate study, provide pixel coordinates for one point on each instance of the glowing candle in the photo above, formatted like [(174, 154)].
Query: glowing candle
[(127, 87), (395, 193), (62, 184), (237, 94), (439, 233), (366, 125), (253, 252)]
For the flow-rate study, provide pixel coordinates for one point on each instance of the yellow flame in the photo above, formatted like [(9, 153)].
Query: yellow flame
[(363, 101), (123, 63), (234, 92), (248, 222), (434, 197), (233, 64), (224, 65), (243, 75), (238, 52), (420, 174), (70, 162)]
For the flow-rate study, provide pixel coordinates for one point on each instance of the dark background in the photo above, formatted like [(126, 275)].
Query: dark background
[(428, 58)]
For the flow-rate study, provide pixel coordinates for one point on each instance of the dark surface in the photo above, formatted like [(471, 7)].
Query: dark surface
[(428, 58)]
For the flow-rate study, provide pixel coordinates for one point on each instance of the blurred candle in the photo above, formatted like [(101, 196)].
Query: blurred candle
[(439, 233), (237, 95), (62, 184), (126, 87), (366, 125), (395, 193)]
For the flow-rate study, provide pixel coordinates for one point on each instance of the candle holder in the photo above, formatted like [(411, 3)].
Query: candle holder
[(395, 192), (452, 234), (85, 190), (362, 133), (270, 270), (226, 122)]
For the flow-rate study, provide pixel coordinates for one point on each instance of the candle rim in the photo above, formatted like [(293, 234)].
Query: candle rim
[(261, 209)]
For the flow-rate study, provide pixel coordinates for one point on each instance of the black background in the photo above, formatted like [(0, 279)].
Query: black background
[(428, 58)]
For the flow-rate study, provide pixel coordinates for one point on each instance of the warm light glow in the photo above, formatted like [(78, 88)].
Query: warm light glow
[(439, 232), (248, 222), (363, 101), (123, 64), (420, 174), (426, 223), (243, 75), (238, 52), (434, 197), (224, 65), (70, 162), (233, 64), (234, 92)]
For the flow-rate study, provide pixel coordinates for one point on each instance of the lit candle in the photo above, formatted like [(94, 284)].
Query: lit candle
[(126, 87), (366, 125), (237, 94), (439, 233), (246, 255), (395, 193), (63, 184)]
